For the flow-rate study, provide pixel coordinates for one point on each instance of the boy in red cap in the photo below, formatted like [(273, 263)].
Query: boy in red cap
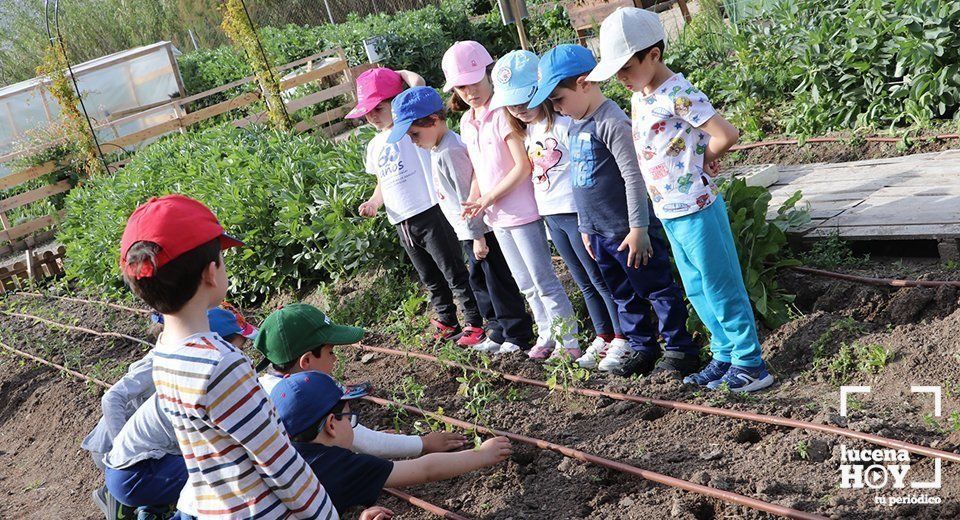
[(402, 171), (238, 455)]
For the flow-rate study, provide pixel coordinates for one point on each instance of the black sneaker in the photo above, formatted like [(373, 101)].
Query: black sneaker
[(677, 364), (638, 363), (110, 507)]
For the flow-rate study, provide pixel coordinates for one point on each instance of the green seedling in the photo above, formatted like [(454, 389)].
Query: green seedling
[(563, 372), (801, 450)]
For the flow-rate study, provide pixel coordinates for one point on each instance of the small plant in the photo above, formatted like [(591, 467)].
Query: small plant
[(801, 450), (850, 359), (563, 372), (951, 265), (872, 358), (834, 252)]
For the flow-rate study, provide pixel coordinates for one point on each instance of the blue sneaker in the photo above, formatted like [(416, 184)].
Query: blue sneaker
[(714, 371), (744, 379)]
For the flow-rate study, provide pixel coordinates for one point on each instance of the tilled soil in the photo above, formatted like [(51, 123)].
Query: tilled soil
[(43, 417), (835, 152)]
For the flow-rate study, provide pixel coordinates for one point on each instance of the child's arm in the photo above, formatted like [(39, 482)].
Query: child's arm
[(723, 135), (393, 446), (618, 137), (521, 172), (456, 166), (412, 79), (441, 466), (136, 382), (373, 204)]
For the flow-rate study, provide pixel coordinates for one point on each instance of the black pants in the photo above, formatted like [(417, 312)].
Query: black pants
[(498, 296), (431, 244)]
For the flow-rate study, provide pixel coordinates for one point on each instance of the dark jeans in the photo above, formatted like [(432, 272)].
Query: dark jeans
[(637, 290), (431, 244), (151, 482), (498, 296)]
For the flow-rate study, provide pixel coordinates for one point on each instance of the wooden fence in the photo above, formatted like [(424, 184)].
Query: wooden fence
[(328, 70), (34, 267)]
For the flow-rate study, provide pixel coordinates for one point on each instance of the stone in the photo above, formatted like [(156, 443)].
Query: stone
[(366, 358)]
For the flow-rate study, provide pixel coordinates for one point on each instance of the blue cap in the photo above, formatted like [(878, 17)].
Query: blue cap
[(559, 63), (226, 323), (304, 398), (410, 105), (514, 79)]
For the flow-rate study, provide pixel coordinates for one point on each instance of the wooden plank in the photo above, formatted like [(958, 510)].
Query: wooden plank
[(321, 119), (590, 15), (147, 133), (22, 176), (319, 73), (27, 228), (23, 245), (206, 113), (33, 195), (300, 103), (901, 232)]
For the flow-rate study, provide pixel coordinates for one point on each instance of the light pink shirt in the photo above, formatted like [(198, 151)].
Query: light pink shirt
[(486, 143)]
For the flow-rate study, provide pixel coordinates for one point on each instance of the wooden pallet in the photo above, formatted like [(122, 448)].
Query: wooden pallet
[(34, 267), (914, 197)]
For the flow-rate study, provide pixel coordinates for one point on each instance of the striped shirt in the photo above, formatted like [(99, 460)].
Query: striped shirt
[(240, 461)]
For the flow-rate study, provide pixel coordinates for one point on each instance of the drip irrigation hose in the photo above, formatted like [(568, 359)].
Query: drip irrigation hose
[(410, 499), (566, 451), (780, 142), (886, 282), (78, 329), (690, 407), (82, 300)]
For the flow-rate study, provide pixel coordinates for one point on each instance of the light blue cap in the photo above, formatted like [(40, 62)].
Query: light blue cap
[(514, 79), (559, 63)]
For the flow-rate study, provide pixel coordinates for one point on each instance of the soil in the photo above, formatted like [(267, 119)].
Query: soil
[(834, 152), (43, 473)]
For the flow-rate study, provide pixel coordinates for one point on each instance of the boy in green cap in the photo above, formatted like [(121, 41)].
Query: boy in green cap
[(299, 337)]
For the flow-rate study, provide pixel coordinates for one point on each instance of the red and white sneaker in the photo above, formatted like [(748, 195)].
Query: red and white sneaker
[(445, 332), (594, 352), (472, 336)]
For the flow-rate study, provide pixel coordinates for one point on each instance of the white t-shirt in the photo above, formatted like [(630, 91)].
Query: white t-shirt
[(670, 147), (403, 170), (549, 152)]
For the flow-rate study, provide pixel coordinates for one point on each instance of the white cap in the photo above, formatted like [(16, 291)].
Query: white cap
[(624, 33)]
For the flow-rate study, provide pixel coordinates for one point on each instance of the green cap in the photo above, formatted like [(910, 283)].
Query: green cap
[(296, 329)]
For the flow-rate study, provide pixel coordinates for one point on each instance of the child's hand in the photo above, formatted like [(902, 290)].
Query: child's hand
[(480, 248), (376, 513), (638, 243), (369, 209), (436, 442), (586, 244), (712, 168), (495, 450), (475, 208)]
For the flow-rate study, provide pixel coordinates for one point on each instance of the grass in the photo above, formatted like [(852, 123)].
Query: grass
[(851, 359), (834, 252)]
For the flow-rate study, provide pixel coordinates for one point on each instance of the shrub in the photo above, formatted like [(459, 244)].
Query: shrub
[(292, 199)]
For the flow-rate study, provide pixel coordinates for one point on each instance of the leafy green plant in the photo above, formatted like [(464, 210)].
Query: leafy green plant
[(802, 450), (850, 359), (563, 372), (833, 252)]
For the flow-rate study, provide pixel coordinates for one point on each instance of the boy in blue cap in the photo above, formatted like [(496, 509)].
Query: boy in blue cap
[(316, 412), (617, 228), (681, 138), (419, 113)]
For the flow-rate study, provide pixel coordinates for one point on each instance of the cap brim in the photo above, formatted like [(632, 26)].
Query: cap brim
[(356, 391), (363, 108), (511, 97), (467, 78), (399, 130), (250, 332), (544, 89), (342, 335), (227, 241), (607, 68)]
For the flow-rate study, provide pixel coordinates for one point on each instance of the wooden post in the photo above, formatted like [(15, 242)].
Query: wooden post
[(518, 19), (684, 10)]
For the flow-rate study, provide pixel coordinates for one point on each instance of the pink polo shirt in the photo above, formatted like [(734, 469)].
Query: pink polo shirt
[(485, 139)]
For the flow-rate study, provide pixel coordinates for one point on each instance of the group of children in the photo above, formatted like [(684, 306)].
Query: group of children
[(191, 431), (542, 153)]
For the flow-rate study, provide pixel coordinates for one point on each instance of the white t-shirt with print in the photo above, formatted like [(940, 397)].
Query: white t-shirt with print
[(403, 170), (549, 152), (671, 147)]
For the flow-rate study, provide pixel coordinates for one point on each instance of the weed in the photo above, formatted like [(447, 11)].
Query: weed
[(850, 359), (801, 450), (515, 395), (951, 265), (834, 252), (854, 404)]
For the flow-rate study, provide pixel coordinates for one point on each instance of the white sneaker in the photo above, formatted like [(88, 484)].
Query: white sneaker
[(508, 348), (594, 353), (487, 346), (618, 353)]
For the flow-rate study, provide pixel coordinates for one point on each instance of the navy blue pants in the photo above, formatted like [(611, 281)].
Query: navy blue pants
[(498, 297), (151, 482), (636, 291)]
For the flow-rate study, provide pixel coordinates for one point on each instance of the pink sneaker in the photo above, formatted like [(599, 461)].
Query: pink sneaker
[(572, 353), (539, 352)]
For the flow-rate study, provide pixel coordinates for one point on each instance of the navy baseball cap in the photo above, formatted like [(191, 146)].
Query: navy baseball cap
[(304, 398), (410, 105), (559, 63)]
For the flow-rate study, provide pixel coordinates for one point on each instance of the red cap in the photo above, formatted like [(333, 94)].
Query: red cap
[(177, 224), (374, 86)]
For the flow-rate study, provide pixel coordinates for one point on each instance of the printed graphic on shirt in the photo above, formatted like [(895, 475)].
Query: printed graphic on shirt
[(671, 147), (582, 159), (545, 156)]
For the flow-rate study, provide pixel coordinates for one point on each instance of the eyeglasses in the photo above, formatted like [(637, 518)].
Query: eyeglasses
[(354, 419)]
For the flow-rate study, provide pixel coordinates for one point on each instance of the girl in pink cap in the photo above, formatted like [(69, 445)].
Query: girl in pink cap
[(504, 196)]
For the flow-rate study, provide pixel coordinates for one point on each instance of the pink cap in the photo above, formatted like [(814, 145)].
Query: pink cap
[(374, 86), (464, 63)]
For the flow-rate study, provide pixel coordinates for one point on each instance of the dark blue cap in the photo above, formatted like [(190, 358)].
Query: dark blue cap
[(410, 105), (304, 398), (559, 63)]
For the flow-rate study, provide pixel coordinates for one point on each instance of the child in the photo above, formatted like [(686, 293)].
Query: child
[(547, 143), (299, 337), (614, 220), (505, 197), (430, 243), (419, 113), (317, 413), (237, 453), (128, 394), (680, 138)]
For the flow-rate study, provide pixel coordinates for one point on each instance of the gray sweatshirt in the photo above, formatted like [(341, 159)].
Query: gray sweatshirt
[(452, 174)]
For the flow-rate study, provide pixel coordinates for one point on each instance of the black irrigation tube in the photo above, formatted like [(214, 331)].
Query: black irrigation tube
[(690, 407), (410, 499), (566, 451)]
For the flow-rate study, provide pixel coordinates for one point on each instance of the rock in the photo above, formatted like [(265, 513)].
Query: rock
[(701, 477), (622, 407), (837, 419), (366, 358), (626, 502), (818, 450), (565, 466), (713, 453), (767, 487)]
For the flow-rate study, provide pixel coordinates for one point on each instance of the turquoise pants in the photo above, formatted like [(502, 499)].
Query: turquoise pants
[(707, 259)]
